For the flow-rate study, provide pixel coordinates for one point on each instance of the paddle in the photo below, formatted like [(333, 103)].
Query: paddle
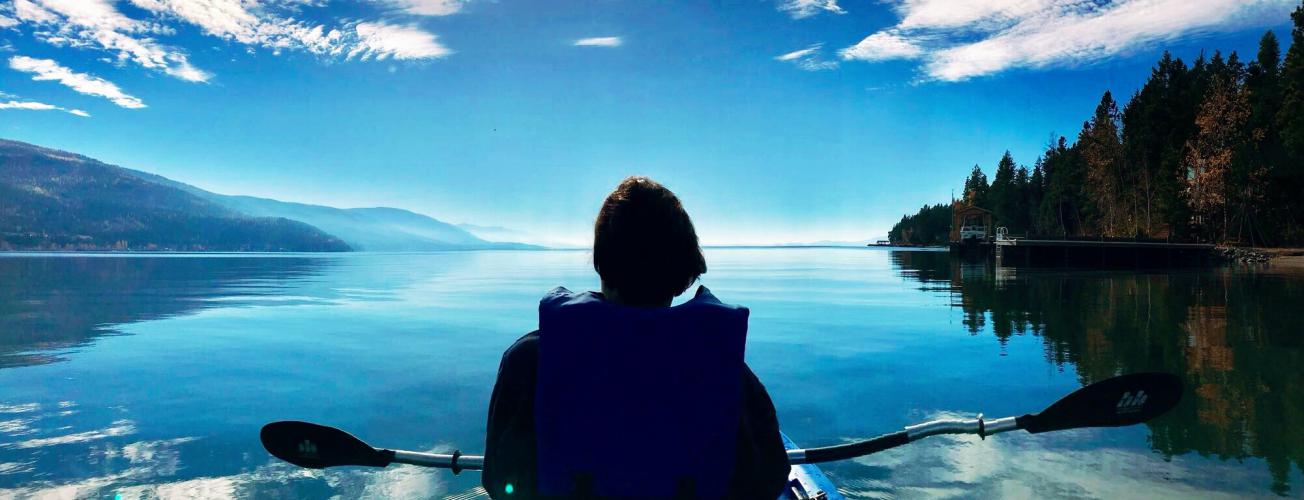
[(317, 446), (1115, 402)]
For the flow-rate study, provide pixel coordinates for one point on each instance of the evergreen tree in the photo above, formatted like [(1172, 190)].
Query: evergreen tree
[(1002, 196), (1060, 213), (1259, 203), (1291, 115), (1101, 147), (1020, 216), (1290, 123), (1213, 150), (1156, 124), (1034, 195), (976, 188)]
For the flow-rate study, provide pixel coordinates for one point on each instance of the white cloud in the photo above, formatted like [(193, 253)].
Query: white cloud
[(801, 9), (96, 23), (47, 70), (599, 41), (428, 7), (808, 59), (882, 46), (8, 22), (961, 40), (267, 24), (380, 41), (247, 23), (40, 106), (250, 23)]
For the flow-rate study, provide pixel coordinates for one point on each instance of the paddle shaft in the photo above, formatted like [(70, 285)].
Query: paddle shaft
[(911, 433), (1115, 402), (455, 461)]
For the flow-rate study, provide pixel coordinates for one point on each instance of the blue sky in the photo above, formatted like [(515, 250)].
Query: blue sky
[(775, 120)]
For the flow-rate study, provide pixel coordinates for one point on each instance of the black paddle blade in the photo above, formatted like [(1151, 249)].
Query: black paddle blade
[(317, 446), (1123, 400)]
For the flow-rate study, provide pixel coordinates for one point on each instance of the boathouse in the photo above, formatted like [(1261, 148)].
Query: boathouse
[(970, 222)]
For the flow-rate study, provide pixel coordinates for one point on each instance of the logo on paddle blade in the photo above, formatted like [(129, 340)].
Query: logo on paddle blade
[(307, 449), (1130, 403)]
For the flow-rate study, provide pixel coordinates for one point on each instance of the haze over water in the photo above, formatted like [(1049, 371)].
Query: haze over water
[(150, 375)]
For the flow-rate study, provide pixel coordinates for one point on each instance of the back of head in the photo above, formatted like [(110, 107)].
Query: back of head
[(644, 245)]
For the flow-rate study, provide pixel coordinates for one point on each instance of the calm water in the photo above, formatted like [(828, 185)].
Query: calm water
[(150, 376)]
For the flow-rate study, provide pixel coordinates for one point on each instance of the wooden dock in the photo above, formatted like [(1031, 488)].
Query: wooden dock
[(1098, 253)]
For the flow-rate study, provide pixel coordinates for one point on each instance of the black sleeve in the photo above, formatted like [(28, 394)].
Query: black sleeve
[(761, 466), (510, 441)]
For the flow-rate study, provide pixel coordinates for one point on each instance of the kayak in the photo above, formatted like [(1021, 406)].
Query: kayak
[(806, 481)]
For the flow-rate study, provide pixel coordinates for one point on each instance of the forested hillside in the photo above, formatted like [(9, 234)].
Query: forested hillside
[(1209, 151), (53, 200)]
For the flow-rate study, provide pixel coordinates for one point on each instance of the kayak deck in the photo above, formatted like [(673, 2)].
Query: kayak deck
[(806, 481)]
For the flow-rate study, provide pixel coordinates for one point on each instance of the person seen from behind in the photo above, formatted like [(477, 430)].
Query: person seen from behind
[(619, 394)]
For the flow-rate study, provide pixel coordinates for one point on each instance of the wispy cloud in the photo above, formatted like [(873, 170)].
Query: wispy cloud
[(383, 41), (808, 59), (48, 70), (599, 41), (40, 106), (247, 23), (258, 25), (427, 7), (277, 25), (801, 9), (960, 40), (96, 23)]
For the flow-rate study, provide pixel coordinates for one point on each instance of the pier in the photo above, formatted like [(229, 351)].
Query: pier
[(972, 238), (1099, 253)]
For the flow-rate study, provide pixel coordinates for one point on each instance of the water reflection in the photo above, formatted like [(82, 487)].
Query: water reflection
[(1233, 335), (49, 304), (149, 376)]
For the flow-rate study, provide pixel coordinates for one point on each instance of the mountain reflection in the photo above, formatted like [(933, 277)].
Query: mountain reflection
[(51, 304), (1232, 335)]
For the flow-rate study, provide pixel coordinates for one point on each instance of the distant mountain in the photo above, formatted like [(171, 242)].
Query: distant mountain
[(828, 243), (165, 214), (372, 229), (499, 233), (54, 200)]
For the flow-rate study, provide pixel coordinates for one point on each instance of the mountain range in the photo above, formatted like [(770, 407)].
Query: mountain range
[(56, 200)]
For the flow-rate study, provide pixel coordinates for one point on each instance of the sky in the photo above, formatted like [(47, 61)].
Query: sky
[(774, 120)]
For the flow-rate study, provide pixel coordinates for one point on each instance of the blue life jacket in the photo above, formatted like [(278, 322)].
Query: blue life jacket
[(637, 402)]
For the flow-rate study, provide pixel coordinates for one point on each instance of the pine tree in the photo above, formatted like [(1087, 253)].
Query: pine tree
[(1102, 151), (976, 187), (1061, 212), (1290, 124), (1261, 167), (1156, 125), (1021, 203), (1035, 194), (1002, 196), (1291, 115)]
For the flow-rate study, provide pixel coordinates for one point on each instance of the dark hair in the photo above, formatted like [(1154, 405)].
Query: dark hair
[(644, 245)]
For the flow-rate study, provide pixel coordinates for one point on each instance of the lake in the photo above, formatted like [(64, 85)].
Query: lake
[(136, 376)]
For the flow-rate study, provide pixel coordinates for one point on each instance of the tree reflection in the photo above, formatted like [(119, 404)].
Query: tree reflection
[(1232, 335)]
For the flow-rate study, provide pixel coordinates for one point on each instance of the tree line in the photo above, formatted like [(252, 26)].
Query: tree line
[(1212, 151)]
